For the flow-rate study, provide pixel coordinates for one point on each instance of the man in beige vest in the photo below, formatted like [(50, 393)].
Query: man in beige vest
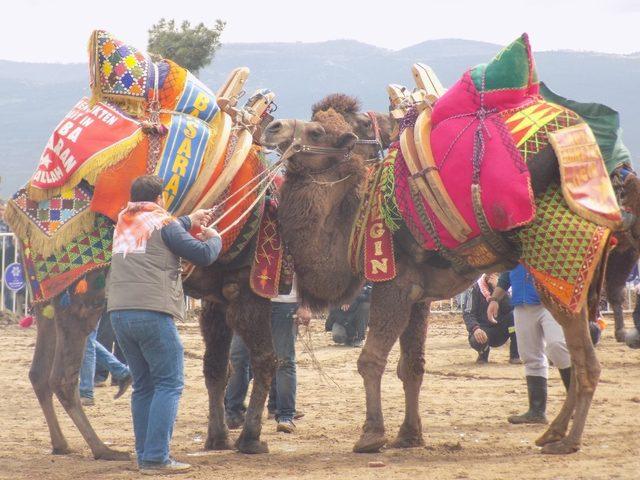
[(144, 299)]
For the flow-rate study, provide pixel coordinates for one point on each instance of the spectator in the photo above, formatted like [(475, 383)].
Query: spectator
[(485, 332), (96, 355), (286, 315), (348, 324), (539, 336), (107, 338)]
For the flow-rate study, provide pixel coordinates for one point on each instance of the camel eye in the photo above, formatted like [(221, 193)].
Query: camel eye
[(316, 134)]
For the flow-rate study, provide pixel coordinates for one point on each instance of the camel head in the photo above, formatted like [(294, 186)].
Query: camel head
[(319, 200), (308, 148), (362, 123)]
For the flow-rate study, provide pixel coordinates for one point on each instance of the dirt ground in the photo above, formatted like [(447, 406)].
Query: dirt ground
[(464, 410)]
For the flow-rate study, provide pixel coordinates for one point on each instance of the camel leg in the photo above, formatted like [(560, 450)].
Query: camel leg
[(557, 430), (586, 375), (217, 339), (619, 266), (39, 376), (411, 372), (71, 336), (384, 330), (250, 317)]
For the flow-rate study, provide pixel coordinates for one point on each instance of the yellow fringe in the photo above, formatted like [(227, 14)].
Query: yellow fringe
[(26, 230), (91, 169)]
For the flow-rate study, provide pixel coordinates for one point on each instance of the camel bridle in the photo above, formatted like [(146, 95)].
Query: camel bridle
[(296, 146)]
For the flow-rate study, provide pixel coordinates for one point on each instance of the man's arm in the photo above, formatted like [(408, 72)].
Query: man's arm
[(504, 282), (177, 238)]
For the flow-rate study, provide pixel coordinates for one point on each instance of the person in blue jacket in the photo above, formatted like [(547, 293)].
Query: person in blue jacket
[(540, 339)]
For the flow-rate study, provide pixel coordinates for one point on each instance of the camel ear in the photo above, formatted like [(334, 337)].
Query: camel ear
[(347, 140)]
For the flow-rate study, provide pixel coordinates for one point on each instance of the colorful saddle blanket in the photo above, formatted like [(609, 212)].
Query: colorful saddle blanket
[(484, 131), (120, 73), (561, 250), (103, 144)]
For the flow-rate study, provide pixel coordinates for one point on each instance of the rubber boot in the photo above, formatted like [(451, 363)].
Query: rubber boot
[(565, 374), (537, 390)]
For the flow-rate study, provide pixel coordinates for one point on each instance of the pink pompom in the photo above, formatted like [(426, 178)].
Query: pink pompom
[(26, 322)]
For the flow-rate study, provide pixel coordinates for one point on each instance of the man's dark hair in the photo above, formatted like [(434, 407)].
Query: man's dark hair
[(146, 188)]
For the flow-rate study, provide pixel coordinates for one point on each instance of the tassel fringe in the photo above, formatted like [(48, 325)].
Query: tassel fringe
[(387, 196), (91, 168), (41, 243), (82, 287)]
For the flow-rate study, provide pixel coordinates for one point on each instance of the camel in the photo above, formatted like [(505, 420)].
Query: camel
[(625, 256), (320, 199), (229, 305)]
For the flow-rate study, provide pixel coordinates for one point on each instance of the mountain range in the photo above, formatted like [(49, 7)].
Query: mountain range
[(35, 96)]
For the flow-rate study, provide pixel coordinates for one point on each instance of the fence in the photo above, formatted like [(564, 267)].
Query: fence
[(14, 301), (18, 302), (454, 305)]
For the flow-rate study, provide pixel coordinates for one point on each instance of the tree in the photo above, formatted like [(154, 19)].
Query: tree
[(190, 47)]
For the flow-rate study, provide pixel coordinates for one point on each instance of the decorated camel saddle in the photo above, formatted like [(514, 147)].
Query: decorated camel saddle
[(459, 180), (144, 116)]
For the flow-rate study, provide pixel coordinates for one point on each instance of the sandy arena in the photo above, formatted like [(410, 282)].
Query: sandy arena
[(464, 409)]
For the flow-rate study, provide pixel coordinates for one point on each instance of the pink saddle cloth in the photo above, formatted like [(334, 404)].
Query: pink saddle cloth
[(468, 125)]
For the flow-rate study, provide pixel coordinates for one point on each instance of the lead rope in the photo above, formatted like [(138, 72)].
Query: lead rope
[(157, 130)]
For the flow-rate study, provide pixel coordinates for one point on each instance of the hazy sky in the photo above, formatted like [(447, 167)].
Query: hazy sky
[(57, 30)]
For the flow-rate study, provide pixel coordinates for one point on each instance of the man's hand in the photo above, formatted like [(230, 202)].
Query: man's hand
[(345, 307), (201, 217), (303, 316), (207, 233), (492, 311), (480, 336)]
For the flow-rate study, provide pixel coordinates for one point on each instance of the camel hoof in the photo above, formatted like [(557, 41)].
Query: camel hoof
[(550, 436), (252, 446), (370, 442), (563, 447), (112, 455), (620, 335), (218, 444), (61, 451), (407, 442)]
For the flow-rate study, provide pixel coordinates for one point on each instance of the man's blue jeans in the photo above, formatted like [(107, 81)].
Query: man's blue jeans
[(239, 379), (282, 398), (96, 355), (154, 352)]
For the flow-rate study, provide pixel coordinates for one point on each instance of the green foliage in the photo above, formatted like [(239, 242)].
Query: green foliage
[(190, 47)]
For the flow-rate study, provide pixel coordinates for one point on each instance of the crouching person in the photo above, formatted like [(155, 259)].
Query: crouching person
[(144, 298), (485, 332)]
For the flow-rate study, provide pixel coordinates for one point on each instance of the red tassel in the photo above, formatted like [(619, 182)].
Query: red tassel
[(26, 322), (82, 287)]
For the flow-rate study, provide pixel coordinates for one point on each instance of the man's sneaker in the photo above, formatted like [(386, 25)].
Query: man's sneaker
[(515, 361), (172, 466), (286, 426), (87, 402), (357, 343), (123, 384)]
